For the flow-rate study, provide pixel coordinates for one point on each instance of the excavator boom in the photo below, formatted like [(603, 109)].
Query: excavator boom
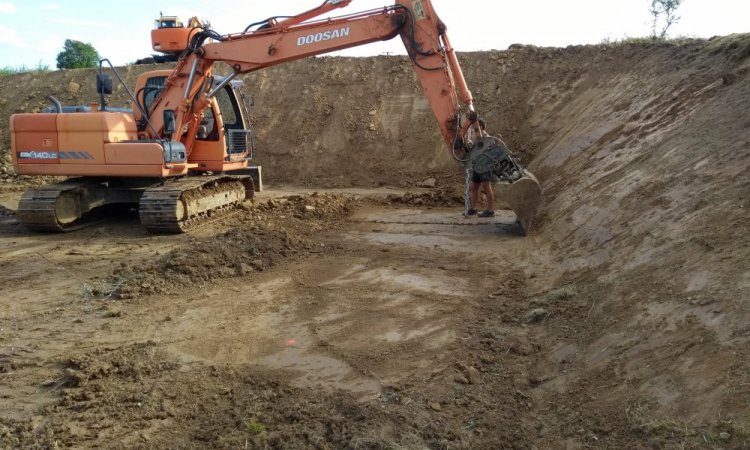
[(423, 33)]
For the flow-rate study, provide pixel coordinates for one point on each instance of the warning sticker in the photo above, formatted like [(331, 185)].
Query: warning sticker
[(418, 10)]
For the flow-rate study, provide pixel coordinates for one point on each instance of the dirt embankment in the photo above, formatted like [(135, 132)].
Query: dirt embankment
[(644, 157), (620, 323), (364, 121)]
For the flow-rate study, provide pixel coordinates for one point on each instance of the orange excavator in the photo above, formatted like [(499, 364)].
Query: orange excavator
[(170, 37), (181, 155)]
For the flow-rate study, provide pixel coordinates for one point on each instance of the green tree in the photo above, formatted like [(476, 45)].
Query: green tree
[(664, 14), (77, 55)]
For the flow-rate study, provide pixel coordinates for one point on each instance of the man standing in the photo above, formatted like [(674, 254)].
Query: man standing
[(481, 180)]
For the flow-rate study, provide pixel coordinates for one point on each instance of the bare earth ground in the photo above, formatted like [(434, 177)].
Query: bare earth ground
[(331, 330), (367, 317)]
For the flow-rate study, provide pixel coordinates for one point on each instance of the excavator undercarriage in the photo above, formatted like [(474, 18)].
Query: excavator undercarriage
[(169, 206), (179, 205)]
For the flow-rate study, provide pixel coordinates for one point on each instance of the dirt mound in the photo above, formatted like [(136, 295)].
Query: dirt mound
[(644, 165), (129, 393), (452, 195), (139, 395), (264, 234)]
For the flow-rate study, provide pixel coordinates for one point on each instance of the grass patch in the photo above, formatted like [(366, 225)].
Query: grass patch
[(109, 288), (7, 70), (254, 427), (550, 298), (737, 45), (641, 421), (648, 40), (111, 313), (559, 294)]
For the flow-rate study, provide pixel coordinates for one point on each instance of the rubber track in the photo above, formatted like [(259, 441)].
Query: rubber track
[(158, 206)]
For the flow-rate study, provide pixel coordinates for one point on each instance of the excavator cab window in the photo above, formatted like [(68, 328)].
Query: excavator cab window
[(229, 108), (229, 112), (237, 131), (168, 23), (153, 86)]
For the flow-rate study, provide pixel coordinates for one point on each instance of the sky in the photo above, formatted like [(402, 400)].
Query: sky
[(32, 32)]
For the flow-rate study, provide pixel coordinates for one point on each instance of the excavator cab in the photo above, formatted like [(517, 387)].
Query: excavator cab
[(168, 22), (224, 135), (170, 35)]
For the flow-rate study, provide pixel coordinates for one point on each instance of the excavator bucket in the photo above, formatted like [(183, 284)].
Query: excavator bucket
[(523, 196), (516, 186)]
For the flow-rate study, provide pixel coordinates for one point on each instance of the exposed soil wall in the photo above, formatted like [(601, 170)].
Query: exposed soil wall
[(365, 121)]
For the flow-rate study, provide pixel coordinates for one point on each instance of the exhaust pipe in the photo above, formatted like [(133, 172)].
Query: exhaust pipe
[(56, 103)]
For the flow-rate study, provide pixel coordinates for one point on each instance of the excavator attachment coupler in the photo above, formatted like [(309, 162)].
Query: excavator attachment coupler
[(514, 185)]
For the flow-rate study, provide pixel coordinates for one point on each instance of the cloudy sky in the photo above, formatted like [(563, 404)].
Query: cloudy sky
[(33, 31)]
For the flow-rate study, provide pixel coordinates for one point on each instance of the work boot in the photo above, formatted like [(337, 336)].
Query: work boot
[(487, 213), (471, 212)]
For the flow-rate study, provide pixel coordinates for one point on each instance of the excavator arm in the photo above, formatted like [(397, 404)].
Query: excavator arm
[(187, 92)]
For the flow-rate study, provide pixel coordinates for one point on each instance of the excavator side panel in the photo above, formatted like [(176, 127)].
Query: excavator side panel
[(81, 138), (109, 170), (205, 150), (134, 153), (119, 127), (34, 138), (85, 144)]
